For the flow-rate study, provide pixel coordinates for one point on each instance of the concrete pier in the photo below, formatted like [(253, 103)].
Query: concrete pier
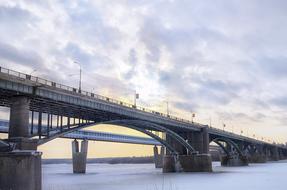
[(195, 163), (230, 161), (19, 117), (79, 156), (20, 170), (169, 164), (187, 163), (257, 158), (200, 140), (274, 156), (158, 157)]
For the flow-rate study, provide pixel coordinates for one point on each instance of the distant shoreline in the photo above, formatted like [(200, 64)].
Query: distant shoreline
[(115, 160)]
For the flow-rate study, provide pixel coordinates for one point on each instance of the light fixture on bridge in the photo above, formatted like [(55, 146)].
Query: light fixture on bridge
[(192, 116), (80, 74), (137, 96), (167, 108)]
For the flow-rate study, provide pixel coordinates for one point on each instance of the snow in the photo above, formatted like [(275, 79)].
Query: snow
[(268, 176)]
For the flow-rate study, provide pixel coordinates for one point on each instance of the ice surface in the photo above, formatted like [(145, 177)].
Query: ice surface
[(268, 176)]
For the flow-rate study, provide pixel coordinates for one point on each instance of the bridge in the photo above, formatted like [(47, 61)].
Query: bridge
[(55, 110)]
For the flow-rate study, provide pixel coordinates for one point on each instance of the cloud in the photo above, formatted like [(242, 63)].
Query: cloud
[(224, 61), (20, 56)]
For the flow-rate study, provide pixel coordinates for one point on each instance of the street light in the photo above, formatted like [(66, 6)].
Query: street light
[(80, 81), (192, 116), (137, 96), (167, 110)]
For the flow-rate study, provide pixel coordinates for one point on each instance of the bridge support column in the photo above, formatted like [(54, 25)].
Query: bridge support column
[(20, 170), (230, 161), (281, 155), (195, 163), (274, 154), (190, 162), (79, 156), (200, 141), (158, 157), (258, 156), (19, 124), (202, 161), (19, 117), (169, 164)]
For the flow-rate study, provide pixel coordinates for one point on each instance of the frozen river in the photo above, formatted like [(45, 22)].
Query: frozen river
[(271, 175)]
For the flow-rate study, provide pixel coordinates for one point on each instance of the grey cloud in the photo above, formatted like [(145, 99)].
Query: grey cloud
[(133, 59), (231, 116), (20, 56), (13, 14), (273, 66), (279, 101), (87, 22)]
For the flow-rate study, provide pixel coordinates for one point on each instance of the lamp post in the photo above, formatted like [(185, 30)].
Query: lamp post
[(80, 81), (80, 74), (192, 116), (167, 108), (137, 96)]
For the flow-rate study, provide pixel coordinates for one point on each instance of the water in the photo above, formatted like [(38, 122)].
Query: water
[(269, 176)]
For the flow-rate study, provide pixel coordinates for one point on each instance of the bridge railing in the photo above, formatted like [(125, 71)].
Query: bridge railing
[(45, 82)]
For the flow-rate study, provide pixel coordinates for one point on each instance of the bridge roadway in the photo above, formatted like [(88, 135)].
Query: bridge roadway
[(63, 110)]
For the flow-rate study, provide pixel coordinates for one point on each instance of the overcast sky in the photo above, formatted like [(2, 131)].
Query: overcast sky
[(225, 60)]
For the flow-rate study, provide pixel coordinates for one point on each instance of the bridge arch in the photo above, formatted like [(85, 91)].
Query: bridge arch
[(219, 141), (160, 140), (145, 124), (123, 123)]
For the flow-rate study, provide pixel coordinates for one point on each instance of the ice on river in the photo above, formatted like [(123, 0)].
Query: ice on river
[(268, 176)]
